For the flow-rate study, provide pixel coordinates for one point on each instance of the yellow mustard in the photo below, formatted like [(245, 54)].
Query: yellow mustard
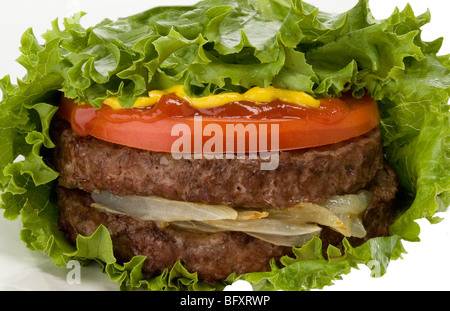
[(255, 94)]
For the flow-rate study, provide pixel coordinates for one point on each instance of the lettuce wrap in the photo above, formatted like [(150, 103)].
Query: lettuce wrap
[(230, 46)]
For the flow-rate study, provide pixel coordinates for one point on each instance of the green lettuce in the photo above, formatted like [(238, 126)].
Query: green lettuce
[(221, 46)]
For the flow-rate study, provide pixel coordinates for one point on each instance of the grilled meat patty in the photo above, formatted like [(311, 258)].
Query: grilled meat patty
[(88, 165), (213, 256), (312, 174)]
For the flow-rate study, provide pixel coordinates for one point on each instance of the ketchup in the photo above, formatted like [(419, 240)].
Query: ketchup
[(331, 110), (82, 118)]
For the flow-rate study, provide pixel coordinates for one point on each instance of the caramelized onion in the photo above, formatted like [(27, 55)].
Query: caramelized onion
[(292, 226)]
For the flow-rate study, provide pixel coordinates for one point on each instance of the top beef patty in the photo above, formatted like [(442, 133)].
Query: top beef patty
[(312, 174)]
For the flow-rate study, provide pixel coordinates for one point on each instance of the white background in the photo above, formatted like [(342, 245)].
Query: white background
[(425, 267)]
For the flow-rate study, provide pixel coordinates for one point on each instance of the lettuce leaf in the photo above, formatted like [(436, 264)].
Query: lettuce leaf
[(309, 269), (231, 45)]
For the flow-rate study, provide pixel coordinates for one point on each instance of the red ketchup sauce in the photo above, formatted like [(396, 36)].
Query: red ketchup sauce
[(330, 111)]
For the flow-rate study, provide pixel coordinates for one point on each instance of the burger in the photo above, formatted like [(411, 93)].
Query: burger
[(189, 147)]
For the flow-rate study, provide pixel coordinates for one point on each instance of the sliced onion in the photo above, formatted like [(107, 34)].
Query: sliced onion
[(160, 209), (107, 209), (289, 225), (353, 204), (340, 213), (247, 215), (196, 226), (349, 209), (276, 239), (310, 213), (265, 225), (284, 240)]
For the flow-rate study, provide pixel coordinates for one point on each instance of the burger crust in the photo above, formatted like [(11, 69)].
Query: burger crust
[(312, 174), (213, 256), (88, 165)]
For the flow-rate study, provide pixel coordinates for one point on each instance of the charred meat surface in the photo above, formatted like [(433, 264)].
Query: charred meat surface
[(88, 165), (312, 174), (212, 255)]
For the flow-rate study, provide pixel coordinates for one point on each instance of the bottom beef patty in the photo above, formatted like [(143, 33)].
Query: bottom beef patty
[(212, 255)]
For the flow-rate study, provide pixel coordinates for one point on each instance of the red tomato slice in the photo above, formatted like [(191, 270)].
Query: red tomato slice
[(172, 125)]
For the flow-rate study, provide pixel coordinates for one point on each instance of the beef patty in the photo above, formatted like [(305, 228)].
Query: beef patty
[(312, 174), (90, 165), (213, 256)]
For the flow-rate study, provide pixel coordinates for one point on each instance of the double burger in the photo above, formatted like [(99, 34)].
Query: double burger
[(188, 147)]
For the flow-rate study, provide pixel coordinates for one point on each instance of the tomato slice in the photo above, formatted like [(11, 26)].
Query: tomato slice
[(172, 125)]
